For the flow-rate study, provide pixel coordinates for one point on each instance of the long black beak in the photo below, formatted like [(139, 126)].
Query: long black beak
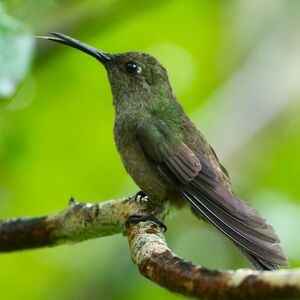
[(66, 40)]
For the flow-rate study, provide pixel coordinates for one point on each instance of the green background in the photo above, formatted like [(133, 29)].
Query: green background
[(234, 65)]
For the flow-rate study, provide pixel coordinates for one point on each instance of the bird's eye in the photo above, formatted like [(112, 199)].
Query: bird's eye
[(133, 68)]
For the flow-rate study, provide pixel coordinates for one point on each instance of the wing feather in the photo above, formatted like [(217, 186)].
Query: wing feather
[(197, 180)]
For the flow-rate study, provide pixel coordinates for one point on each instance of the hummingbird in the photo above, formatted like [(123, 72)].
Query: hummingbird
[(170, 159)]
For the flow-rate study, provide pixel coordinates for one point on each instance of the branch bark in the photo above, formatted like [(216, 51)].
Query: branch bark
[(79, 222), (82, 221), (158, 263)]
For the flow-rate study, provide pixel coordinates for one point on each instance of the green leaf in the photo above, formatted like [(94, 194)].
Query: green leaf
[(16, 49)]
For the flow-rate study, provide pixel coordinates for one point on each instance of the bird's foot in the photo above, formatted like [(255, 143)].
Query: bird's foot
[(141, 218), (141, 197)]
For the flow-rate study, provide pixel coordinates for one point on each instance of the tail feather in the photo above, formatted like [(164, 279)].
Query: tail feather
[(260, 247), (258, 263)]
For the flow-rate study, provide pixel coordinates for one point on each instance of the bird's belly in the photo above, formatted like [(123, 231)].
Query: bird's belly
[(142, 172)]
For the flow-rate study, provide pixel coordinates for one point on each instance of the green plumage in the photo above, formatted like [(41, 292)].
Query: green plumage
[(170, 159)]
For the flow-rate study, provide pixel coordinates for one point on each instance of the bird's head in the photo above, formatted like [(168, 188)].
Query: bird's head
[(134, 76)]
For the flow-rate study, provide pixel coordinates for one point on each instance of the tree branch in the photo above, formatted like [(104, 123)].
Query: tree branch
[(82, 221), (79, 222), (158, 263)]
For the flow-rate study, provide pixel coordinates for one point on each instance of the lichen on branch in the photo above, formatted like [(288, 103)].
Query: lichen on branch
[(78, 222)]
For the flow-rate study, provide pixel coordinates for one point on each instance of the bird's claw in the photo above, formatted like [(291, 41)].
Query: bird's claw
[(141, 197), (141, 218)]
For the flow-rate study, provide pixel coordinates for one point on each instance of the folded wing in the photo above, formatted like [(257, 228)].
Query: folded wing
[(195, 178)]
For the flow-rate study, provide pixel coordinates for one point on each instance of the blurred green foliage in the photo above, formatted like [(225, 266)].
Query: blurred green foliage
[(56, 131), (16, 45)]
